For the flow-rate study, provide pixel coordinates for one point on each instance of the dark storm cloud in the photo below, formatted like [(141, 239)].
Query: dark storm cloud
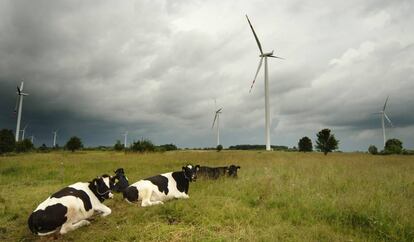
[(154, 68)]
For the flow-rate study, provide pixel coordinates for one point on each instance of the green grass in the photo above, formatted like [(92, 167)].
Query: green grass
[(279, 196)]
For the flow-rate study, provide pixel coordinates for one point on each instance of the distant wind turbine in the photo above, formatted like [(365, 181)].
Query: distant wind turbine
[(217, 117), (18, 108), (32, 139), (23, 131), (125, 139), (266, 80), (384, 116), (54, 138)]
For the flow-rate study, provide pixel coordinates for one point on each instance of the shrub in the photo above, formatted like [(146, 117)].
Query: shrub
[(326, 141), (393, 146), (118, 146), (24, 146), (143, 146), (74, 143), (219, 148), (168, 147), (373, 149), (305, 144), (7, 141)]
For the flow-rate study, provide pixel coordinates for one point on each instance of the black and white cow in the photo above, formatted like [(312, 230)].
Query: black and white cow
[(120, 180), (232, 171), (212, 172), (69, 208), (157, 189)]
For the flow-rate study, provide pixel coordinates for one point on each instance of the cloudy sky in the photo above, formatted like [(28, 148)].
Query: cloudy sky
[(96, 69)]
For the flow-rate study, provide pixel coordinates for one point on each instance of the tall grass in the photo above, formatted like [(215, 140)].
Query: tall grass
[(278, 196)]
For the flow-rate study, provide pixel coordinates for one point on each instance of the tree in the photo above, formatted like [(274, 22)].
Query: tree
[(24, 145), (393, 146), (168, 147), (43, 148), (7, 141), (372, 149), (143, 146), (74, 143), (219, 148), (118, 146), (305, 144), (326, 141)]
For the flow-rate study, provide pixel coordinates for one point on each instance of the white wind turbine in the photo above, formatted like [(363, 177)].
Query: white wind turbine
[(23, 131), (384, 116), (125, 139), (217, 117), (32, 139), (54, 138), (266, 80), (19, 104)]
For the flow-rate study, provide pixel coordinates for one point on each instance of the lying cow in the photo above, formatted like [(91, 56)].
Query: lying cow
[(69, 208), (232, 171), (120, 180), (212, 172), (157, 189)]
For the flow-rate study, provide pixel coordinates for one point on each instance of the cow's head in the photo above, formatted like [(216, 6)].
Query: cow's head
[(190, 172), (120, 180), (102, 187), (232, 170)]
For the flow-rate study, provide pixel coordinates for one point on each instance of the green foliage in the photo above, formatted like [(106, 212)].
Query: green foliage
[(74, 143), (393, 146), (7, 141), (305, 144), (168, 147), (24, 146), (118, 146), (144, 145), (219, 148), (43, 148), (326, 141), (372, 149)]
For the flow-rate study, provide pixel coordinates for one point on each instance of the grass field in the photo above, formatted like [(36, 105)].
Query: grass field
[(279, 196)]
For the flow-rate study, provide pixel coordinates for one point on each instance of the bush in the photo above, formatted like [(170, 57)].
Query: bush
[(7, 141), (43, 148), (168, 147), (118, 146), (24, 146), (305, 144), (326, 141), (143, 146), (219, 148), (393, 146), (372, 149), (74, 143)]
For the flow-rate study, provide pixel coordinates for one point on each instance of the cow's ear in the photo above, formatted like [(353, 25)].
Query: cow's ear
[(238, 167), (197, 167), (183, 168)]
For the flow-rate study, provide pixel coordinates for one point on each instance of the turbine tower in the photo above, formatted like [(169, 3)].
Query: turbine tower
[(54, 138), (19, 104), (32, 139), (217, 117), (23, 131), (384, 116), (125, 139), (266, 80)]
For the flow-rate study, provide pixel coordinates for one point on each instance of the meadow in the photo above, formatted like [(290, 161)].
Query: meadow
[(278, 196)]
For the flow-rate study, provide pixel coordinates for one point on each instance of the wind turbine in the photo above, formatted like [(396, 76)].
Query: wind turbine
[(384, 115), (54, 138), (217, 117), (23, 131), (125, 139), (266, 80), (32, 139), (19, 104)]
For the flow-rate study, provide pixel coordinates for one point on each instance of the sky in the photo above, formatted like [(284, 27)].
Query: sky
[(96, 69)]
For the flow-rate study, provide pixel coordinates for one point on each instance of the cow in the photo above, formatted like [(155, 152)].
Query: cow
[(120, 180), (212, 172), (232, 171), (157, 189), (69, 208)]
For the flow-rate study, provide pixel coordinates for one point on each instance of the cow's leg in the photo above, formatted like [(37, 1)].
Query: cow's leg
[(67, 227), (146, 198), (182, 195), (104, 210), (81, 224)]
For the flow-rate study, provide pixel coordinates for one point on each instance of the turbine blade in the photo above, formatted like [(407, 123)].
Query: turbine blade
[(388, 119), (273, 56), (385, 104), (214, 121), (17, 103), (257, 72), (255, 36), (219, 110)]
